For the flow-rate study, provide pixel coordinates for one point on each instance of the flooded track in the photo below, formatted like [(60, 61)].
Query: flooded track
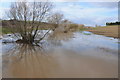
[(65, 55)]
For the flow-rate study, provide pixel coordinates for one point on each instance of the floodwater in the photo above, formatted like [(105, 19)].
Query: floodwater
[(62, 55)]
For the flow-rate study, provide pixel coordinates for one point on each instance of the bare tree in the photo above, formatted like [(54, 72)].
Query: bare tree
[(60, 24), (26, 19), (56, 19)]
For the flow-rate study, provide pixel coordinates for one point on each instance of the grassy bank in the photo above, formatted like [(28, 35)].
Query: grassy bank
[(5, 30), (110, 31)]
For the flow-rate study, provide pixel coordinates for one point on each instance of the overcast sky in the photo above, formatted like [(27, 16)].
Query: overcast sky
[(88, 13)]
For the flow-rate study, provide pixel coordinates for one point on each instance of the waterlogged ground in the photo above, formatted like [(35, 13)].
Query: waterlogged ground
[(63, 55)]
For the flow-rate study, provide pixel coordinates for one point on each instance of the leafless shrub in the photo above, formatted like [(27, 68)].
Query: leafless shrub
[(26, 18), (55, 19)]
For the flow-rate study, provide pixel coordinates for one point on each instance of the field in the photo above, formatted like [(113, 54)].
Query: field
[(110, 31)]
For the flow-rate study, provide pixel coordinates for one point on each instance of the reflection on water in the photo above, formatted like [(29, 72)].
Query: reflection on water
[(27, 61), (62, 55), (56, 38)]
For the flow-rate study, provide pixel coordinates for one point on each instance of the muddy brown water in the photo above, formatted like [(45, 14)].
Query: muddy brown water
[(73, 55)]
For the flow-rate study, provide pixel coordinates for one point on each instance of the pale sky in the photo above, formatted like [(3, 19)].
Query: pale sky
[(87, 13)]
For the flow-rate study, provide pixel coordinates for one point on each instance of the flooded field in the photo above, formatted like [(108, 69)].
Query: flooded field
[(63, 55)]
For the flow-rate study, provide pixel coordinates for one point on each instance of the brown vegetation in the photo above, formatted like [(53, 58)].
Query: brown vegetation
[(110, 31)]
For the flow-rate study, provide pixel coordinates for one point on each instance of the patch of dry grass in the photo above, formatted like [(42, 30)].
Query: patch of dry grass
[(110, 31)]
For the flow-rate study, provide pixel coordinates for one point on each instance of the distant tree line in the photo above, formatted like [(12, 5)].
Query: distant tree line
[(113, 23)]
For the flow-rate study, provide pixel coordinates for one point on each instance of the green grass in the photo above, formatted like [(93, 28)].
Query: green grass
[(87, 34), (82, 29), (5, 30)]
